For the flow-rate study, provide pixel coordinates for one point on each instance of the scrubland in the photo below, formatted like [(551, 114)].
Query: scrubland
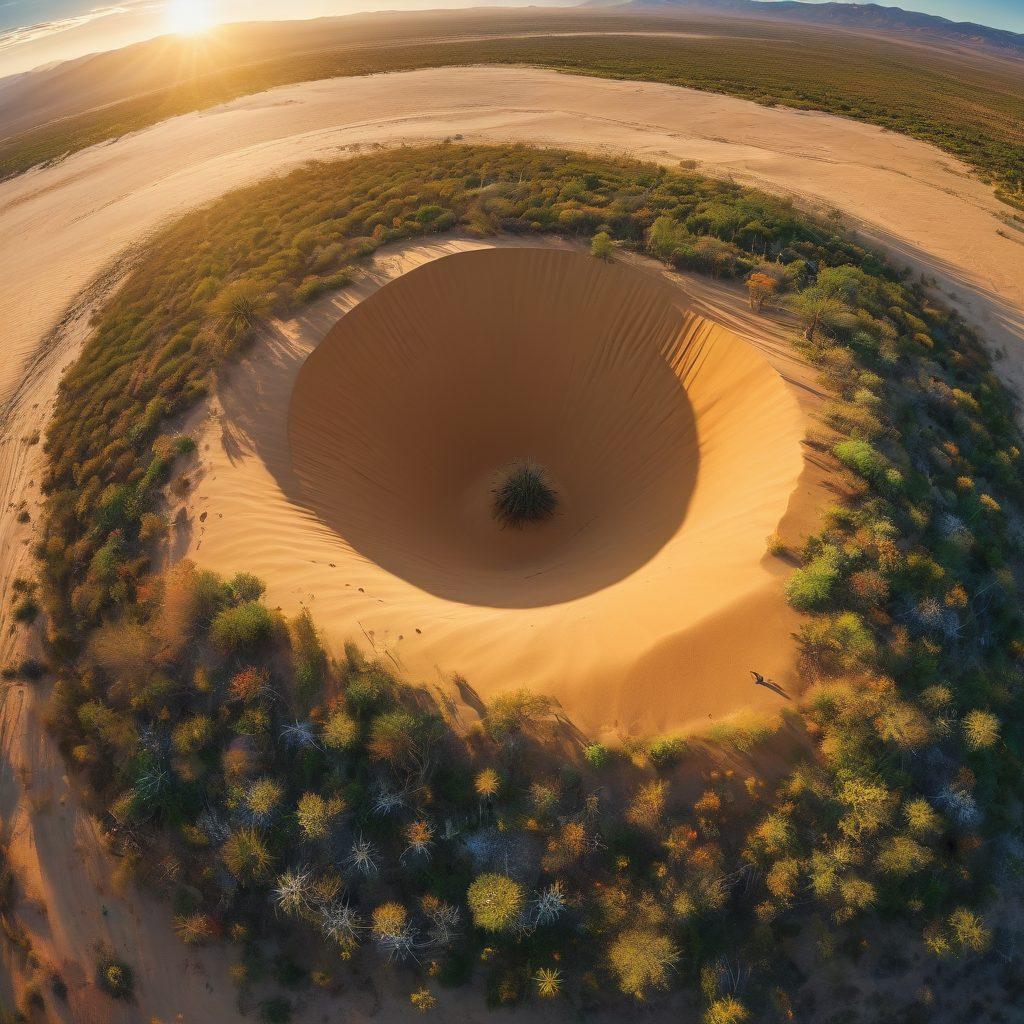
[(272, 791), (967, 103)]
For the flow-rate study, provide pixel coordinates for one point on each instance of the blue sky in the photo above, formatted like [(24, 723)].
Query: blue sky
[(999, 13)]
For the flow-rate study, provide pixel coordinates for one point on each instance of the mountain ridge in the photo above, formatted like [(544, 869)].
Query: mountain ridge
[(869, 16)]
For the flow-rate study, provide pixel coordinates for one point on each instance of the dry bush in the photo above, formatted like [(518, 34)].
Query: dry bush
[(124, 649)]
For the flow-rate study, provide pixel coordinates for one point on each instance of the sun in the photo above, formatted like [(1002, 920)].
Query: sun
[(189, 17)]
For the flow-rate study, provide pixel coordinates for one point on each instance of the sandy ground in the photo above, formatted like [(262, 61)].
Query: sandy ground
[(62, 226), (59, 226), (356, 480)]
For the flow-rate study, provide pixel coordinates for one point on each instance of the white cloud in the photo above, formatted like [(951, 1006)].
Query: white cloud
[(45, 29)]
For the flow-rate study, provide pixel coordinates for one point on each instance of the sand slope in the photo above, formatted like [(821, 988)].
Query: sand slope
[(356, 481)]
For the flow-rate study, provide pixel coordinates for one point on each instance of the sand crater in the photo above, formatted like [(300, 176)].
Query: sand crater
[(400, 420)]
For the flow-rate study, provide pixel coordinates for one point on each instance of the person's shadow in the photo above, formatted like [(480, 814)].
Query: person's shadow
[(759, 680)]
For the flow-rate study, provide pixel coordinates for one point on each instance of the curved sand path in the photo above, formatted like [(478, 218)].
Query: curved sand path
[(60, 226)]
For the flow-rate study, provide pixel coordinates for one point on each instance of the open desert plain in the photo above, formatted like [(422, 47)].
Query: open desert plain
[(511, 511)]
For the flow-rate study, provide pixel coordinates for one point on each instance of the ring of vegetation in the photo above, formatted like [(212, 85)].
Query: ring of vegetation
[(284, 793)]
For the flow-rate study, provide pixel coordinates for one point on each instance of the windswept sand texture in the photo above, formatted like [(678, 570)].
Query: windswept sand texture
[(400, 420), (673, 443)]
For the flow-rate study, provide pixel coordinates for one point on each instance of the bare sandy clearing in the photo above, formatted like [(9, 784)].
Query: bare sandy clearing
[(356, 480)]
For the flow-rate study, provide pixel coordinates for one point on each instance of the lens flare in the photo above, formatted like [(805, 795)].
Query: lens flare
[(189, 17)]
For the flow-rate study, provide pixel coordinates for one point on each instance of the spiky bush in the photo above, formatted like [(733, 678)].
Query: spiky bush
[(524, 495)]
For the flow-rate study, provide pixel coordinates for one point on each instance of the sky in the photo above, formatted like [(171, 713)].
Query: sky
[(36, 33)]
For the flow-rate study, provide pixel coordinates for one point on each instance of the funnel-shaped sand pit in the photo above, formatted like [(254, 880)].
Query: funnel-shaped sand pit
[(404, 419), (357, 469)]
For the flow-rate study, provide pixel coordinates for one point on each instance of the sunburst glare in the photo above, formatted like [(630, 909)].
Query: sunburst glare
[(189, 17)]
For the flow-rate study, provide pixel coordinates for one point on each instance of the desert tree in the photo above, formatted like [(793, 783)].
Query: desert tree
[(981, 729), (549, 905), (419, 838), (392, 931), (496, 902), (818, 311), (647, 807), (291, 893), (262, 798), (194, 929), (246, 855), (601, 247), (726, 1010), (641, 960), (362, 857), (444, 920), (339, 921), (315, 814), (761, 289), (423, 1000)]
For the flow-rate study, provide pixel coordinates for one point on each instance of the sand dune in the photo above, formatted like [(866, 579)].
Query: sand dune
[(357, 481)]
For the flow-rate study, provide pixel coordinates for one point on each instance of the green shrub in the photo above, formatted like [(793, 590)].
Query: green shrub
[(239, 307), (25, 610), (642, 959), (837, 643), (524, 496), (247, 587), (863, 458), (246, 855), (666, 750), (601, 246), (242, 628), (368, 691), (341, 731), (726, 1010), (495, 901), (812, 587), (114, 976), (510, 713), (981, 729), (309, 660)]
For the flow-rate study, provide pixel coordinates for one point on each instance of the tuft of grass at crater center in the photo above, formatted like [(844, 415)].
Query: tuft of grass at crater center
[(523, 496)]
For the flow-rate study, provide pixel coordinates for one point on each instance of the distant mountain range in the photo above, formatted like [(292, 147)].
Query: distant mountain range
[(866, 17)]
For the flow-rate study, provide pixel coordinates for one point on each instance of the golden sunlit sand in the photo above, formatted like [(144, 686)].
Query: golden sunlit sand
[(357, 480)]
